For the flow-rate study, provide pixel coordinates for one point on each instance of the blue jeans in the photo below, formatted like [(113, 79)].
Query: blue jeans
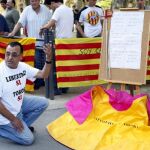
[(39, 63), (32, 108)]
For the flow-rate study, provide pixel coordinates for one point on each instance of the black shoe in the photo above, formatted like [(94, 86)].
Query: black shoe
[(31, 129), (36, 87), (65, 90), (57, 92)]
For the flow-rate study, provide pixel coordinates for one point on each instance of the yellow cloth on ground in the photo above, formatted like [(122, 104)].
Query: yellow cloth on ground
[(105, 128)]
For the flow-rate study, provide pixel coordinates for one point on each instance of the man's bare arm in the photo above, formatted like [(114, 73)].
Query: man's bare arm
[(79, 28), (16, 29), (49, 25)]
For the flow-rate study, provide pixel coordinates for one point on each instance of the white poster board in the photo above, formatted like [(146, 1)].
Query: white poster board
[(125, 39), (125, 47)]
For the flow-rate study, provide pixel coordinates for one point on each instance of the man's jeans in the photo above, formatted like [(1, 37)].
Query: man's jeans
[(32, 108)]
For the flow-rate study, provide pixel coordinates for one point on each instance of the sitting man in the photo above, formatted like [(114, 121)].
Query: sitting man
[(19, 111)]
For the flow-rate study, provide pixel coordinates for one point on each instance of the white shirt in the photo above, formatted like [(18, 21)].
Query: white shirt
[(34, 21), (12, 86), (63, 16), (91, 18)]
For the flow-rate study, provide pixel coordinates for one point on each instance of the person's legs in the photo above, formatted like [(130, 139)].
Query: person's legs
[(25, 137), (64, 90), (39, 63), (57, 91), (33, 107)]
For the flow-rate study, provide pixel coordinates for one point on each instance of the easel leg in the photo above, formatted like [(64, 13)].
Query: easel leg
[(109, 85), (123, 87), (137, 88), (134, 87), (131, 88)]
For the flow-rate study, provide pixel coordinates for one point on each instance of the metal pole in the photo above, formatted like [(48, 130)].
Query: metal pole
[(51, 77), (49, 85)]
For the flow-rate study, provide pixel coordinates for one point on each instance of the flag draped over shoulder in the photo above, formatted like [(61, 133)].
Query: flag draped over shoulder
[(28, 53), (77, 61)]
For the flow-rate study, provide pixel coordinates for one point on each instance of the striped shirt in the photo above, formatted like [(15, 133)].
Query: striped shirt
[(34, 21)]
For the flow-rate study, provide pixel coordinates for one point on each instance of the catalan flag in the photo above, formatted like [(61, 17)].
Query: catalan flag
[(77, 61), (28, 54)]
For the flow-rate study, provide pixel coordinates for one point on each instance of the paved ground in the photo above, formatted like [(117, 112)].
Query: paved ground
[(56, 108), (43, 141)]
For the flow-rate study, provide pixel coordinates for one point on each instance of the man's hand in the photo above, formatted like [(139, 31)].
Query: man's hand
[(11, 34), (79, 28), (84, 36), (42, 29), (17, 124), (50, 25)]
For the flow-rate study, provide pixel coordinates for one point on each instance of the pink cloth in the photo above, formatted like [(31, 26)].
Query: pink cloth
[(81, 106), (121, 100)]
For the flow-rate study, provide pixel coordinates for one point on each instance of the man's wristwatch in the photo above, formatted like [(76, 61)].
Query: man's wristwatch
[(48, 62)]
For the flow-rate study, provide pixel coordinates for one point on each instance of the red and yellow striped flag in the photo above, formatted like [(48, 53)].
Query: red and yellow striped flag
[(77, 61), (28, 54)]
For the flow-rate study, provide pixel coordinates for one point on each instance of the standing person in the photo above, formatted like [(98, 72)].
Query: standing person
[(140, 4), (75, 13), (33, 18), (19, 111), (4, 30), (3, 5), (91, 17), (48, 3), (63, 20), (12, 15)]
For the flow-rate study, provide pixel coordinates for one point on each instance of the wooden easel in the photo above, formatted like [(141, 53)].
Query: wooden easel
[(112, 75), (132, 88)]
